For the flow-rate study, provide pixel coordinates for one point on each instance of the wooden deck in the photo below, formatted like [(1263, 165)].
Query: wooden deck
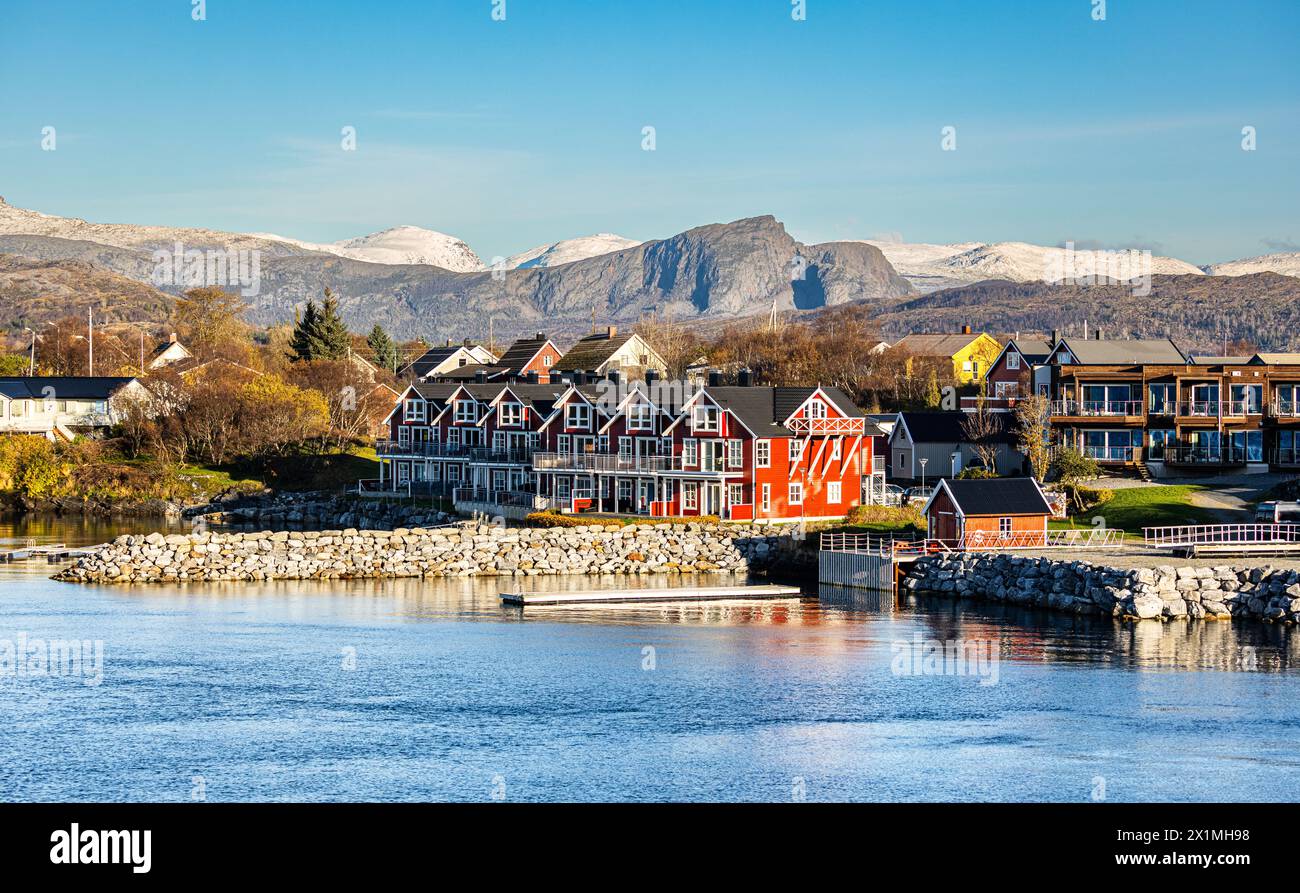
[(676, 594)]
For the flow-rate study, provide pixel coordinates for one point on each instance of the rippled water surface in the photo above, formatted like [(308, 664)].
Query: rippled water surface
[(413, 690)]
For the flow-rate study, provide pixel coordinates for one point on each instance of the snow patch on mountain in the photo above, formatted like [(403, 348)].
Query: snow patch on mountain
[(1286, 263), (567, 251), (929, 267)]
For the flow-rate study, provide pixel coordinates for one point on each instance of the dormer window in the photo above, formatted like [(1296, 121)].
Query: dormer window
[(511, 414), (413, 411), (577, 415), (816, 410), (640, 417), (466, 412), (706, 419)]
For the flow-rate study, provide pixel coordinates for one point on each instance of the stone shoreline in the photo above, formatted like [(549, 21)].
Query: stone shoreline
[(1165, 592), (459, 550)]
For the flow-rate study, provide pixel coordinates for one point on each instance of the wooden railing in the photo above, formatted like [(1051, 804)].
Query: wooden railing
[(828, 426)]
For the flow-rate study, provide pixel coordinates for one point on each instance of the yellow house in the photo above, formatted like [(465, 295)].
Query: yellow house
[(972, 353)]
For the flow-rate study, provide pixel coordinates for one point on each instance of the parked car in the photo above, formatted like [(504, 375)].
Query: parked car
[(893, 495), (913, 495), (1277, 512)]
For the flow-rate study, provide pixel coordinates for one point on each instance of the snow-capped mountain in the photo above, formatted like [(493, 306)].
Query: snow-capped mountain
[(569, 250), (930, 267), (1286, 262), (399, 245)]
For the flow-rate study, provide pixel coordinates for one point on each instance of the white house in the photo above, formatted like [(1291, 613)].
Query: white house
[(64, 406)]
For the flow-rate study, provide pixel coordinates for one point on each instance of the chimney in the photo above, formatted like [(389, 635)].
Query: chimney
[(579, 377), (611, 331), (614, 377), (1097, 334), (965, 330), (745, 379), (1056, 336), (532, 377), (715, 378), (465, 343), (651, 376), (173, 338), (481, 376), (540, 336), (448, 343)]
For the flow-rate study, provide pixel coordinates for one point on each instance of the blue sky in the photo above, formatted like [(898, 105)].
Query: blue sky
[(518, 132)]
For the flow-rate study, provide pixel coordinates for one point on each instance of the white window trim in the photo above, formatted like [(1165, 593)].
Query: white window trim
[(414, 410), (762, 454), (833, 492), (767, 497), (796, 493)]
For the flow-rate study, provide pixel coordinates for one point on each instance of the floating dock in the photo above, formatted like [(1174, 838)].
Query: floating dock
[(675, 594), (52, 552)]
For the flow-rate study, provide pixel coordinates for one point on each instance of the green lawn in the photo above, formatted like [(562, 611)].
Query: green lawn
[(1132, 508)]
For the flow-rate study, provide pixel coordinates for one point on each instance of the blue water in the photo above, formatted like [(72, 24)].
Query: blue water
[(243, 692)]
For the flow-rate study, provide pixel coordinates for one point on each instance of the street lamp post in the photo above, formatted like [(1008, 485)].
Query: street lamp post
[(923, 461)]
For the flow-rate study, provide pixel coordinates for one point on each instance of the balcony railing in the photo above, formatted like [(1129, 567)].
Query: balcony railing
[(1285, 409), (1183, 455), (1285, 457), (1103, 408), (1112, 453), (487, 455), (427, 449), (621, 463), (850, 427), (1213, 409)]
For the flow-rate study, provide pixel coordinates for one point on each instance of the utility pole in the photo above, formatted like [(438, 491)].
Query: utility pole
[(142, 352), (31, 366), (90, 340)]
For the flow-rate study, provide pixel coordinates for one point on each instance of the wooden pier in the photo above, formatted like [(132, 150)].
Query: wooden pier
[(675, 594), (51, 552)]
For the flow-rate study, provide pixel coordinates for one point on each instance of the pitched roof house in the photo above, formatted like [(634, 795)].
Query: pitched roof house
[(447, 358), (169, 351), (610, 351), (941, 440), (971, 353), (63, 406), (994, 513), (537, 354)]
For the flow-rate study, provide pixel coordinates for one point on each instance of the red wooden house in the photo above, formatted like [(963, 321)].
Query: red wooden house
[(988, 513)]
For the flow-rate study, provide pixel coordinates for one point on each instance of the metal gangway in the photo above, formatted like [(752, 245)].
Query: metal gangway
[(1225, 539)]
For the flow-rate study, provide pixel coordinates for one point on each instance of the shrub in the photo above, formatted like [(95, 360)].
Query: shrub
[(885, 516), (552, 518), (976, 473), (1087, 498)]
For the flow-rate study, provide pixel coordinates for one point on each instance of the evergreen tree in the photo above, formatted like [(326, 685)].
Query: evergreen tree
[(302, 343), (383, 348), (321, 333), (335, 341)]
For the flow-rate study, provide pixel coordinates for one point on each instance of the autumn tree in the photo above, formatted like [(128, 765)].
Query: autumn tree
[(982, 428), (1034, 432), (211, 319)]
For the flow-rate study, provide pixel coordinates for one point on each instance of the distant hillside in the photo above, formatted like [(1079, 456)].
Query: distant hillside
[(712, 272), (1263, 308), (34, 292)]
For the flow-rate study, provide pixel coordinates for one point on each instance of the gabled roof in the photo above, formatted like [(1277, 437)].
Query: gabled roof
[(1199, 360), (62, 387), (936, 345), (993, 496), (1135, 351), (430, 360), (947, 427), (1276, 359), (764, 410), (1033, 350), (521, 353), (591, 352)]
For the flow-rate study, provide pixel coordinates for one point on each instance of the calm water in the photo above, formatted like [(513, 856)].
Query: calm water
[(409, 690)]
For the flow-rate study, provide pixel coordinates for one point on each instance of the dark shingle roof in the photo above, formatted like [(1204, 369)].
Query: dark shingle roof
[(1033, 350), (947, 427), (63, 387), (427, 361), (1125, 352), (998, 496), (523, 350), (763, 409), (590, 352)]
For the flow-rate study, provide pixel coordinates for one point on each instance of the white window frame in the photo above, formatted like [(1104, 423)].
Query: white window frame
[(767, 497), (735, 453), (762, 454), (1013, 360), (640, 417), (835, 450), (1005, 526), (706, 418), (796, 493), (796, 450), (691, 496), (562, 443), (816, 410), (833, 492), (413, 411), (466, 412), (577, 415), (511, 415), (736, 494), (690, 451)]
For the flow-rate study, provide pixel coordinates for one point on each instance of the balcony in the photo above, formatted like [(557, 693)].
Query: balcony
[(606, 463), (426, 449), (1285, 457), (828, 427), (1078, 409), (1204, 456), (1284, 409), (489, 456), (1113, 453), (1215, 409)]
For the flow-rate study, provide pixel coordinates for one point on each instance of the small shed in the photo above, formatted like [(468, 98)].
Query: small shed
[(995, 513)]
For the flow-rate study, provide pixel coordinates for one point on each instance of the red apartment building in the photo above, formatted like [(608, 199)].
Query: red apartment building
[(740, 453)]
